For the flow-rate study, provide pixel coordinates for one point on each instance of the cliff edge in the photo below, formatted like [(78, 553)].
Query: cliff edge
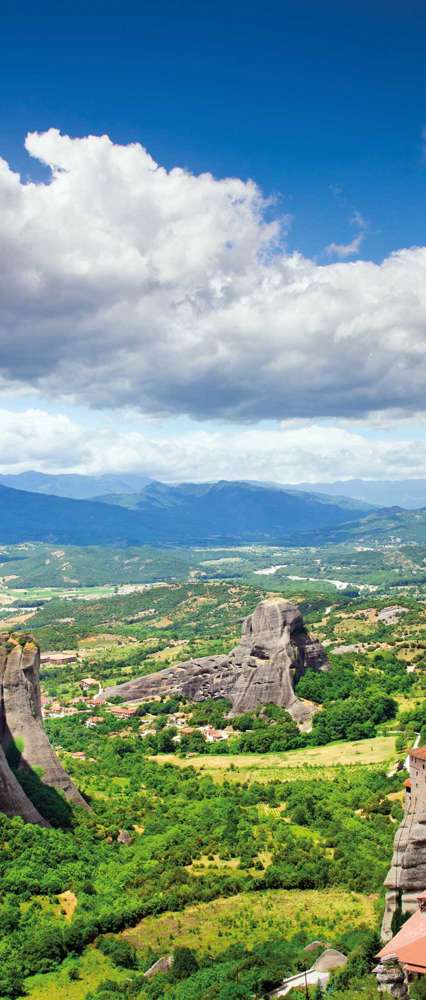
[(406, 877)]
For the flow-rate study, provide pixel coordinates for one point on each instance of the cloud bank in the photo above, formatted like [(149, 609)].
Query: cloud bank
[(125, 284), (42, 440)]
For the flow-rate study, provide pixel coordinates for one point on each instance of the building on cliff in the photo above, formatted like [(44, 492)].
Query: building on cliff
[(406, 878)]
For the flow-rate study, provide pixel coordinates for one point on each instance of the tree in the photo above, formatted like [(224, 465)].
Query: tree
[(184, 963)]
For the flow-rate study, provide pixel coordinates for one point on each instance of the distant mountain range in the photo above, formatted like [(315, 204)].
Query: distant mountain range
[(124, 488), (204, 495), (189, 514), (407, 493), (76, 487), (130, 511)]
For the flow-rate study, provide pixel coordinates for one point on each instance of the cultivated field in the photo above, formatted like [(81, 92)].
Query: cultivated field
[(316, 762)]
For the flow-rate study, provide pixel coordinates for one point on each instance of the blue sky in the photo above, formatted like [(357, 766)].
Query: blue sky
[(304, 97), (323, 107)]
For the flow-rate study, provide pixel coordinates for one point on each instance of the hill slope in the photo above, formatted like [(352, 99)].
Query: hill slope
[(391, 525), (224, 512), (28, 516), (191, 513)]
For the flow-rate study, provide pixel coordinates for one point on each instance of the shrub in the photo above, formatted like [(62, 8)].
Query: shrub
[(120, 952), (184, 963)]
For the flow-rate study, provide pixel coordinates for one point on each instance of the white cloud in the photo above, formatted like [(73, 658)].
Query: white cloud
[(124, 284), (343, 250), (346, 249), (287, 454)]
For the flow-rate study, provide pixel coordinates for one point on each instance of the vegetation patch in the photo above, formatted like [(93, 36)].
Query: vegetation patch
[(315, 763), (74, 978), (249, 918)]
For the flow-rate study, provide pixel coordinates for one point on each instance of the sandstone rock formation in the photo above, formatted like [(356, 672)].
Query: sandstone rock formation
[(13, 801), (22, 733), (406, 877), (391, 978), (274, 651)]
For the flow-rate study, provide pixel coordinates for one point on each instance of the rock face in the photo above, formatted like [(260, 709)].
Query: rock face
[(274, 651), (391, 978), (406, 877), (22, 733)]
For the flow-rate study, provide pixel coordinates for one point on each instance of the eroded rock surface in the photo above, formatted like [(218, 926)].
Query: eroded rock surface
[(22, 732), (391, 978), (13, 801), (274, 651), (406, 877)]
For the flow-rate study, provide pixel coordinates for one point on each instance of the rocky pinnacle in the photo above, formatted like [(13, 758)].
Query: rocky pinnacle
[(274, 651), (22, 732)]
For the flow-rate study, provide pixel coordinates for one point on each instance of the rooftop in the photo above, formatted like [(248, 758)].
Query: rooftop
[(409, 945), (419, 753)]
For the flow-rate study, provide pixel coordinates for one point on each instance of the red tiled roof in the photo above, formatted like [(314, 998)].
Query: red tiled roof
[(407, 783), (419, 753), (409, 945)]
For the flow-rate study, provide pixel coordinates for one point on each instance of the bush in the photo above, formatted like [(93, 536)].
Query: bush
[(120, 952), (418, 989), (184, 963)]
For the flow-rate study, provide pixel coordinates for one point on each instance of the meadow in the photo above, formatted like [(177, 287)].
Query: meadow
[(307, 764), (211, 928)]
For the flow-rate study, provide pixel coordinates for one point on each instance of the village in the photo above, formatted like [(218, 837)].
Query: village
[(93, 696)]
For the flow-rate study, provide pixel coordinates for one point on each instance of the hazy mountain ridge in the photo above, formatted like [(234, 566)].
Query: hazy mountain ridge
[(176, 494), (124, 488), (73, 485), (216, 513), (408, 493)]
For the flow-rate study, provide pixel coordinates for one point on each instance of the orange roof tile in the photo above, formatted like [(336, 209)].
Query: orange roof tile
[(409, 945), (419, 753), (407, 783)]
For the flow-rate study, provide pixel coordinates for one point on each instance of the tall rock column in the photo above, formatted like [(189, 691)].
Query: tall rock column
[(406, 877), (22, 724)]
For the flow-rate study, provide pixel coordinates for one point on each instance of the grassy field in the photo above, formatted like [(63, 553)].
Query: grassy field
[(93, 968), (316, 762), (253, 917), (209, 928)]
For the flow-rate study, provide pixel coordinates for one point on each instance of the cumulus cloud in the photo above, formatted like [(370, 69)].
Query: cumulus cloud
[(286, 454), (125, 284)]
